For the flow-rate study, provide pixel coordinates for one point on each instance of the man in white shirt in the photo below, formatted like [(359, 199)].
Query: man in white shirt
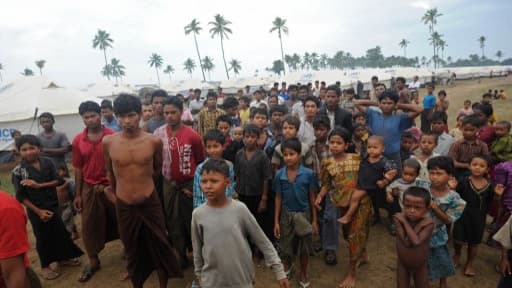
[(415, 84), (258, 100), (196, 104)]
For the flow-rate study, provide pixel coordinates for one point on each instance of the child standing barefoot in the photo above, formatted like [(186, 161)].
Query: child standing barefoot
[(446, 207)]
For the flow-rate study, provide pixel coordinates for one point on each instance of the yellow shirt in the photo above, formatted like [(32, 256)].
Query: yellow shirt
[(244, 116)]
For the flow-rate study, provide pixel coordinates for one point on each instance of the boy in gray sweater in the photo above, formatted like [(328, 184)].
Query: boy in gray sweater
[(220, 232)]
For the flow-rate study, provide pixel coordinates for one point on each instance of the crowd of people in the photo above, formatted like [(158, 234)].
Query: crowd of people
[(184, 184)]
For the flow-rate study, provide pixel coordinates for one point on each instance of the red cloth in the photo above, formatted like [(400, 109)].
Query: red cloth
[(13, 230), (487, 135), (88, 156)]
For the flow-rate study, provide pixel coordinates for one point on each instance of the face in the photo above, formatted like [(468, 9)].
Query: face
[(337, 145), (469, 131), (322, 94), (147, 112), (250, 139), (331, 99), (387, 105), (467, 105), (107, 113), (438, 177), (486, 100), (414, 207), (478, 167), (61, 172), (292, 93), (303, 93), (258, 96), (374, 82), (260, 120), (158, 105), (273, 93), (501, 130), (242, 105), (359, 132), (400, 84), (310, 109), (438, 127), (46, 123), (224, 127), (361, 120), (428, 143), (214, 185), (321, 133), (406, 144), (172, 115), (430, 90), (272, 101), (129, 122), (374, 148), (91, 119), (232, 111), (238, 134), (478, 113), (211, 102), (379, 90), (349, 96), (291, 157), (289, 131), (409, 174), (29, 152), (441, 96), (277, 118), (214, 149)]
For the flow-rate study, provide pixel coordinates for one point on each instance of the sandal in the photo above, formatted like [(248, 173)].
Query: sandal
[(87, 273), (303, 284), (50, 275), (75, 262), (289, 272)]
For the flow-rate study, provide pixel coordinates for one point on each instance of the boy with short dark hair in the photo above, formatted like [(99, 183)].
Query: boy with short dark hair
[(277, 114), (501, 148), (291, 125), (444, 140), (221, 230), (54, 144), (107, 114), (206, 118), (407, 142), (348, 102), (230, 105)]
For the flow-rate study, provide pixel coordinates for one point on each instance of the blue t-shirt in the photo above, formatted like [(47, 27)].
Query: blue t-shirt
[(295, 196), (390, 127), (429, 101), (284, 95), (114, 124)]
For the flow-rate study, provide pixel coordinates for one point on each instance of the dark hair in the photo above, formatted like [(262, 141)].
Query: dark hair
[(471, 120), (230, 102), (439, 116), (126, 103), (293, 121), (350, 91), (321, 121), (62, 166), (429, 134), (214, 135), (197, 90), (442, 92), (407, 135), (484, 157), (174, 101), (335, 89), (413, 163), (145, 103), (376, 138), (292, 87), (47, 115), (292, 143), (487, 95), (278, 108), (312, 99), (342, 132), (211, 94), (375, 78), (304, 87), (359, 125), (420, 193), (216, 165), (467, 101), (258, 91), (504, 123), (485, 108), (257, 110), (357, 115), (441, 163), (390, 95), (245, 99), (223, 118), (381, 84), (401, 79), (106, 104), (252, 129), (158, 93), (14, 131), (27, 139), (89, 106)]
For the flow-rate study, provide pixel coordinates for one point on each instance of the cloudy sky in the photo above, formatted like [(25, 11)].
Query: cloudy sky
[(61, 32)]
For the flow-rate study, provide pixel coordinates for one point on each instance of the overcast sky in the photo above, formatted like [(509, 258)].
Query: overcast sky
[(61, 32)]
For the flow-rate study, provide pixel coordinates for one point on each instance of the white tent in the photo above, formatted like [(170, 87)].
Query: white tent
[(183, 86), (108, 89), (26, 98)]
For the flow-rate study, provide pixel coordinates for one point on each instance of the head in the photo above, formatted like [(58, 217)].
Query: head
[(238, 134), (258, 95), (260, 117), (197, 93), (428, 142), (321, 126), (223, 124), (272, 101), (244, 102), (439, 121), (460, 117), (338, 140), (277, 115), (230, 105), (359, 130), (416, 203), (430, 88), (375, 81), (440, 170), (359, 118), (215, 179), (106, 110), (332, 97), (303, 92), (214, 143), (29, 147), (407, 141), (157, 100), (90, 112), (322, 93), (292, 92), (479, 165), (441, 95), (283, 86), (487, 98), (379, 89), (291, 149), (251, 133), (400, 83), (467, 104), (128, 110), (502, 128), (317, 84), (349, 93), (387, 102), (147, 111), (211, 100), (15, 134), (173, 108), (311, 106), (470, 126), (62, 170), (375, 146), (410, 170), (483, 112), (46, 120), (291, 125)]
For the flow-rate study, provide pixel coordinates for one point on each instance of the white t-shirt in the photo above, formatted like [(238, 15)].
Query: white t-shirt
[(414, 85)]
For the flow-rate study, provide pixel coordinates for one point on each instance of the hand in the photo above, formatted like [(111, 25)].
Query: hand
[(109, 193), (30, 183), (505, 267), (318, 201), (381, 183), (314, 225), (452, 183), (395, 192), (284, 283), (499, 189), (78, 203), (389, 197), (45, 215), (277, 231), (263, 206), (390, 174), (433, 205), (400, 217), (187, 192)]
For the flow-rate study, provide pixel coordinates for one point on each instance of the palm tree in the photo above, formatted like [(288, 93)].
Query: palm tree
[(221, 29), (449, 59), (193, 27), (423, 60), (117, 68), (430, 18), (189, 66), (482, 40), (280, 26), (156, 61), (434, 41), (324, 60), (27, 72), (235, 65), (1, 68), (208, 65), (288, 60), (40, 65), (403, 44), (441, 45), (499, 54), (103, 41), (296, 61), (107, 70), (169, 70)]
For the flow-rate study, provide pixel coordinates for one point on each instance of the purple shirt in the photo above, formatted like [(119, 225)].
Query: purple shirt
[(503, 175)]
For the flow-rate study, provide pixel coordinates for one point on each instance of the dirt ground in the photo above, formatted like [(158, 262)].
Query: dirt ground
[(381, 247)]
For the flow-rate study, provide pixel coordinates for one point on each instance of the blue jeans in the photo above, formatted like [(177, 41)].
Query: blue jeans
[(330, 229)]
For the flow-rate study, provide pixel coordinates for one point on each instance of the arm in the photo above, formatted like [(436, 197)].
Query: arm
[(277, 213), (157, 159), (197, 245), (400, 232), (14, 271), (78, 184), (111, 191), (440, 214), (422, 236), (314, 219), (453, 153), (414, 110), (504, 263)]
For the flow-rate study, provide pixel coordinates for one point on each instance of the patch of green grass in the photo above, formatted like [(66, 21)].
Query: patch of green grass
[(5, 182)]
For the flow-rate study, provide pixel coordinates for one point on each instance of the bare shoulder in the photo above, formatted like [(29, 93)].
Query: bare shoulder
[(107, 139), (155, 140)]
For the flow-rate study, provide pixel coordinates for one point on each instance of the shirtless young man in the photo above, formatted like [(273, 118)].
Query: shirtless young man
[(413, 238), (133, 159)]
